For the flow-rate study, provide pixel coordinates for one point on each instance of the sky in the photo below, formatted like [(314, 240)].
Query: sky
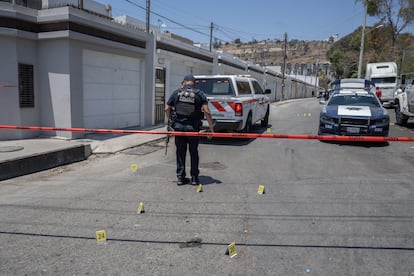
[(250, 19)]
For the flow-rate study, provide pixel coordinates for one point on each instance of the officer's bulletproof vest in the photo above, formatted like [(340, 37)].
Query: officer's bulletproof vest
[(185, 104)]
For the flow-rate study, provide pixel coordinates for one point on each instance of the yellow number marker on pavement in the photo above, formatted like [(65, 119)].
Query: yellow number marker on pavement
[(199, 188), (134, 167), (140, 208), (261, 190), (231, 250), (101, 236)]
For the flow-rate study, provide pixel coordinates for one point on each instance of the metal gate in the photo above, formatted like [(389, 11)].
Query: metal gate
[(159, 95)]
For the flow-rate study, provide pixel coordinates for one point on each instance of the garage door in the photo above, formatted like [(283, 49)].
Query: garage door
[(111, 90)]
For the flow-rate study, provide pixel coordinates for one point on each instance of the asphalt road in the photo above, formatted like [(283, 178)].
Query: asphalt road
[(328, 209)]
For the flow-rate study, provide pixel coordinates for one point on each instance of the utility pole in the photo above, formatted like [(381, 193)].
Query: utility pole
[(361, 49), (316, 74), (284, 66), (211, 36), (147, 29)]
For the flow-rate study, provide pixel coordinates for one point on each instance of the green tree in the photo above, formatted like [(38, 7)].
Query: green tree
[(323, 80), (396, 14), (388, 43), (343, 56), (405, 49)]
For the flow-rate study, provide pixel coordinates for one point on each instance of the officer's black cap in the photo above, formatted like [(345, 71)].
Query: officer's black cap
[(189, 78)]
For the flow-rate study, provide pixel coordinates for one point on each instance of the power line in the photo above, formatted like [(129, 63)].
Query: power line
[(238, 32), (169, 19), (226, 31)]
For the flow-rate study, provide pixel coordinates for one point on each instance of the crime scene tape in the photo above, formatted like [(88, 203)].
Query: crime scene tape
[(222, 134)]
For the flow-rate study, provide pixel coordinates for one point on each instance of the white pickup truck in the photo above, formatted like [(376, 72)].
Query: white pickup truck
[(404, 104), (236, 102)]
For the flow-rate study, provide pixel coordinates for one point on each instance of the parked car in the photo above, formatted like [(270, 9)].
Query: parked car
[(354, 112)]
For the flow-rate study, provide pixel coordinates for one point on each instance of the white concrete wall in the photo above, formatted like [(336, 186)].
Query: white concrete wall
[(55, 84), (9, 96), (177, 66), (27, 54), (15, 51)]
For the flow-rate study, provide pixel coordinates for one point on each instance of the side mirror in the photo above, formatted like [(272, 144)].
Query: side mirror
[(268, 91), (398, 91)]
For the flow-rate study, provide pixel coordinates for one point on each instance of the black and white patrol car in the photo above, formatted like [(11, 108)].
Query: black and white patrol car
[(354, 112)]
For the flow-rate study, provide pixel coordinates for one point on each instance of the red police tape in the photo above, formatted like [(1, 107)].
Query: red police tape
[(222, 134)]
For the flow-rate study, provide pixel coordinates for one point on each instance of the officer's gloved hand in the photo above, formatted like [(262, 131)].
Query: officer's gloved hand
[(209, 137), (170, 125)]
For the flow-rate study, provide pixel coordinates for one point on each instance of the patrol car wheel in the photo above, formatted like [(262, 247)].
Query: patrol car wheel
[(399, 117), (265, 121), (248, 127)]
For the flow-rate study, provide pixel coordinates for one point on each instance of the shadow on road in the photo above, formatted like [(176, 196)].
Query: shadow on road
[(208, 180), (358, 144), (234, 141)]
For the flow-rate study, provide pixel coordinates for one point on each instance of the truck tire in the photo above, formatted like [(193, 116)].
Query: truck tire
[(265, 121), (400, 118), (248, 127)]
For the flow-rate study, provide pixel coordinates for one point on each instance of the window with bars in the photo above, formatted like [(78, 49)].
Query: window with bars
[(26, 87)]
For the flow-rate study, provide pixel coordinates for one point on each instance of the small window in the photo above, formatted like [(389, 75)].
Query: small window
[(257, 88), (213, 87), (244, 88), (26, 87)]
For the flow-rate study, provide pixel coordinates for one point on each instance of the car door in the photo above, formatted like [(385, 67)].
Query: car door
[(261, 98), (410, 97)]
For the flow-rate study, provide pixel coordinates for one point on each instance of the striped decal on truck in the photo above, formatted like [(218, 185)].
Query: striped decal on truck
[(222, 106)]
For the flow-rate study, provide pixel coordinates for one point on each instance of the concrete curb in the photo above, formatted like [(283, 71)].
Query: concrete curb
[(123, 142), (44, 161)]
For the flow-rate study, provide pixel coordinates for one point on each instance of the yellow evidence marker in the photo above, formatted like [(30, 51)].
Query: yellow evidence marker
[(199, 188), (101, 236), (231, 250), (261, 190), (140, 208), (134, 167)]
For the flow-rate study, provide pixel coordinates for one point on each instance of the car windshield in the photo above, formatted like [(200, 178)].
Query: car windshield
[(354, 99), (216, 86), (384, 80)]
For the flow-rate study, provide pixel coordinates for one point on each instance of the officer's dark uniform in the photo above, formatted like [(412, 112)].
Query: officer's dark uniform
[(187, 115)]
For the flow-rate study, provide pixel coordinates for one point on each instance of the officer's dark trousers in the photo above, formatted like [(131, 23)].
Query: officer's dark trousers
[(181, 143)]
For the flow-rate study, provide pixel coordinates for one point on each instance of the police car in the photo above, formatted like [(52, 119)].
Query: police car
[(354, 112), (236, 102)]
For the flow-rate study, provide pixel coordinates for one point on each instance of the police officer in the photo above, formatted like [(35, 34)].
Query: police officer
[(185, 107)]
